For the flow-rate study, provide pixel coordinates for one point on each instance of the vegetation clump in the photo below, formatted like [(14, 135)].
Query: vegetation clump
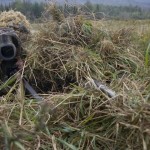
[(17, 21), (13, 18)]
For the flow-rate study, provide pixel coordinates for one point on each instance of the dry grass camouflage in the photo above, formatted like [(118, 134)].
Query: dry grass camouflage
[(64, 56)]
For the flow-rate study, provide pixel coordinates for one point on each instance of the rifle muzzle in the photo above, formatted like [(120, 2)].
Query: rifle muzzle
[(7, 47)]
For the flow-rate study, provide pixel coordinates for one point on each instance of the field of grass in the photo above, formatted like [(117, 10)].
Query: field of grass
[(74, 114)]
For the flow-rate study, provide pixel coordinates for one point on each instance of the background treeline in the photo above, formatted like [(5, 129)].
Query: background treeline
[(97, 11), (31, 10)]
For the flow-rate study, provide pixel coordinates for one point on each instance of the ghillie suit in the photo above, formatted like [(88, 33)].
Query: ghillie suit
[(14, 29)]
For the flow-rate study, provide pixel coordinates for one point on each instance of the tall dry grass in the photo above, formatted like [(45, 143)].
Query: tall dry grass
[(63, 57)]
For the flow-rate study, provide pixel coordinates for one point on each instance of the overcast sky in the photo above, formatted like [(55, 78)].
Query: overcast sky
[(110, 2)]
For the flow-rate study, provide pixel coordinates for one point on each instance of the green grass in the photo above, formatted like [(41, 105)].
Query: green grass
[(147, 56)]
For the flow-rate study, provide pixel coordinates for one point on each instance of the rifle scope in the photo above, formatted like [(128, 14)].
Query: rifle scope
[(7, 47), (10, 44)]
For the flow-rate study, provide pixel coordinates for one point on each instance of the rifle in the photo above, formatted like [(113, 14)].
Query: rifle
[(10, 56)]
